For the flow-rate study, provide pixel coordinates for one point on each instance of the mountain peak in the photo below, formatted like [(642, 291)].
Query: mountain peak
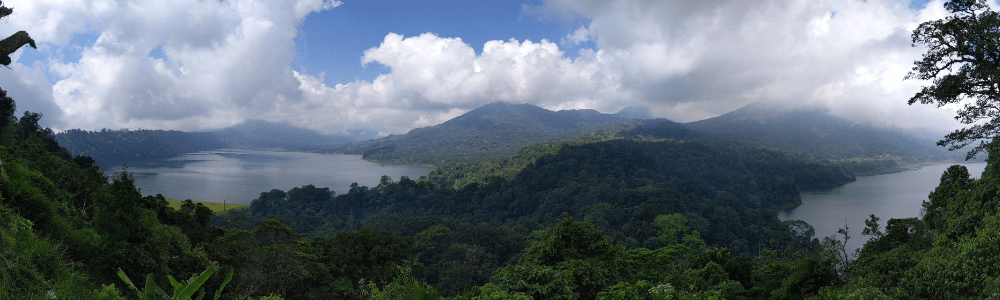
[(497, 129), (636, 112), (261, 133), (526, 114)]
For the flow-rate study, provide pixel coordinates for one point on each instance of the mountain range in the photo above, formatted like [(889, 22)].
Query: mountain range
[(821, 135), (495, 130), (499, 129)]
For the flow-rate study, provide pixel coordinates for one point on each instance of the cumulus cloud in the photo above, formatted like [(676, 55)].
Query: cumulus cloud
[(695, 59), (31, 90), (433, 79), (191, 64), (684, 60), (221, 62)]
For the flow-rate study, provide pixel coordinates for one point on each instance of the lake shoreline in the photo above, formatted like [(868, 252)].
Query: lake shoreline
[(888, 196), (238, 176)]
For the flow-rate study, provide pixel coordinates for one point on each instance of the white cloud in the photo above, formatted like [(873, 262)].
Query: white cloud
[(30, 90), (434, 79), (685, 60), (224, 61), (578, 36), (694, 59)]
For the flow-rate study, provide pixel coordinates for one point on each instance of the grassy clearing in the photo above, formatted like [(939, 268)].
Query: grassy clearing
[(215, 207)]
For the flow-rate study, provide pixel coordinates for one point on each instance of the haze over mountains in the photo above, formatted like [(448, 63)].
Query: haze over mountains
[(815, 131), (500, 129)]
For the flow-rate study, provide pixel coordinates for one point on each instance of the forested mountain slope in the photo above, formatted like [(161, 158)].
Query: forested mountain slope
[(862, 148), (495, 130)]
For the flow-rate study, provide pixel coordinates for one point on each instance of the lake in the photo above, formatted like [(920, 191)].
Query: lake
[(240, 175), (890, 196)]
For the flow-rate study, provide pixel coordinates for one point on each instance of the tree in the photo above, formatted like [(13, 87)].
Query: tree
[(15, 41), (963, 60)]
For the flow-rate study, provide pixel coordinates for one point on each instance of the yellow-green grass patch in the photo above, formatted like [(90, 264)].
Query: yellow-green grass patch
[(215, 207)]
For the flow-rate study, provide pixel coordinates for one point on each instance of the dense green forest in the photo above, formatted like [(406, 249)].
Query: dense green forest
[(633, 218)]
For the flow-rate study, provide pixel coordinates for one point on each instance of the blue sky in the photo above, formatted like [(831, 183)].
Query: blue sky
[(334, 41), (391, 66)]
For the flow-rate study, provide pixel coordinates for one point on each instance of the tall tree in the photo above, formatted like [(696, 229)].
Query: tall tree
[(963, 60)]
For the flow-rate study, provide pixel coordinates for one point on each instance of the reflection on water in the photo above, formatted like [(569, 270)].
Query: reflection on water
[(240, 175), (889, 196)]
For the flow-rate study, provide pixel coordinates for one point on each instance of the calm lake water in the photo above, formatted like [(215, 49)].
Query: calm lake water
[(889, 196), (240, 175)]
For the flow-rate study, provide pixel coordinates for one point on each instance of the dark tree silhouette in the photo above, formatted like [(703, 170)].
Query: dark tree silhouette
[(13, 42)]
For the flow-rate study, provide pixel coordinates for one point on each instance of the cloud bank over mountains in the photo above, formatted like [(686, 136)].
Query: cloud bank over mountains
[(191, 65)]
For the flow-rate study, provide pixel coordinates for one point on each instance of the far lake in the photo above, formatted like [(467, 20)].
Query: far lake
[(890, 196), (240, 175)]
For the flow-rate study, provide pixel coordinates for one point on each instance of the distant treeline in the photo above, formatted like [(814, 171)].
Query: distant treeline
[(111, 148)]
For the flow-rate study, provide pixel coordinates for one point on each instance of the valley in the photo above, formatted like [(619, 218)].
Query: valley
[(515, 150)]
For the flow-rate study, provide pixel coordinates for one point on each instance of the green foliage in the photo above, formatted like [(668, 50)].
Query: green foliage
[(108, 292), (7, 108), (404, 286), (949, 253), (459, 175), (135, 239), (671, 226), (32, 267), (835, 251), (182, 289)]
